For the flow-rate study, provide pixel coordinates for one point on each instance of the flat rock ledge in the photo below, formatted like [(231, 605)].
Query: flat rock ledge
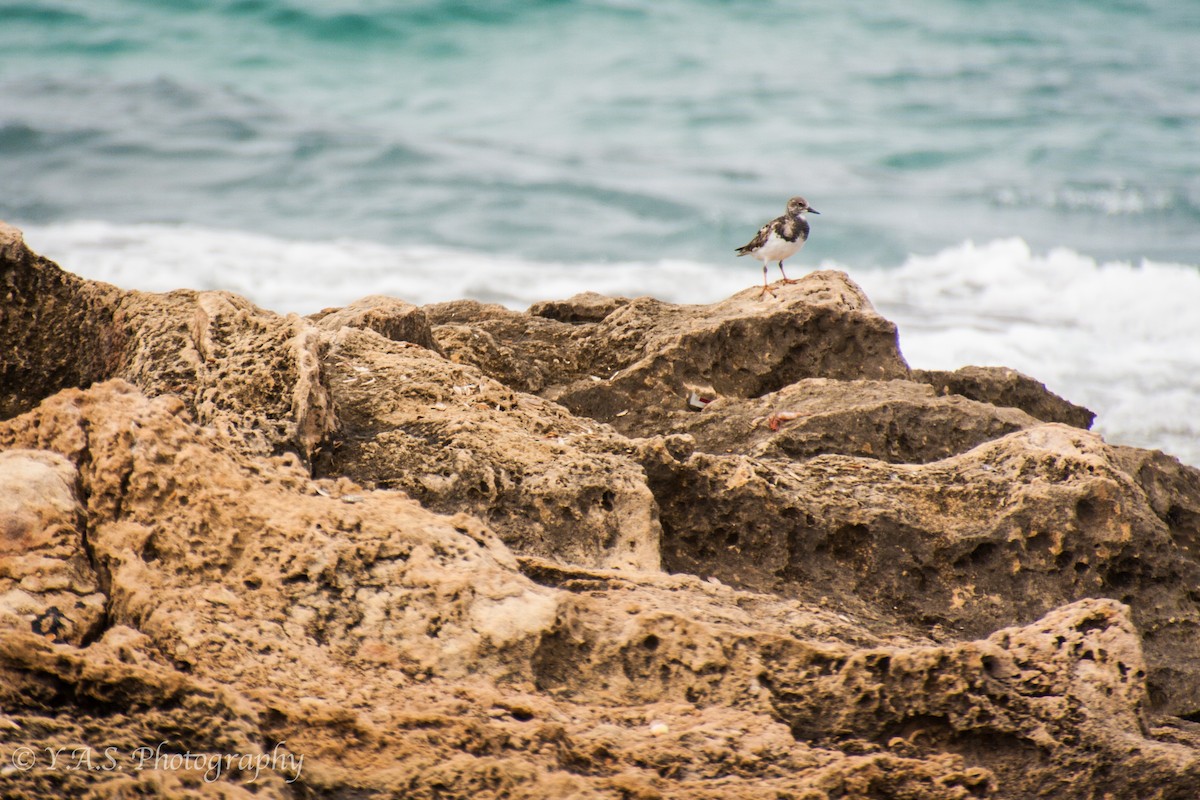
[(605, 548)]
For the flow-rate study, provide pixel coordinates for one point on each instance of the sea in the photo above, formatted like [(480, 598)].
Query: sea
[(1013, 183)]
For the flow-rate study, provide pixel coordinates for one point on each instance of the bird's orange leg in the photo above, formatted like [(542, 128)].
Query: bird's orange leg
[(786, 279), (766, 288)]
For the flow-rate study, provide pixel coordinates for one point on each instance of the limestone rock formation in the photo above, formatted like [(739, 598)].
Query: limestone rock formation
[(250, 372), (391, 318), (57, 591), (644, 365), (1007, 387), (550, 484), (1004, 532), (607, 548), (897, 421)]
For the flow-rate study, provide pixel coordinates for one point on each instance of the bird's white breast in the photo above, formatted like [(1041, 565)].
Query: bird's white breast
[(777, 248)]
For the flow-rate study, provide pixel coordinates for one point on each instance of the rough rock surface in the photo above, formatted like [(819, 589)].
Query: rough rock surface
[(57, 592), (393, 319), (250, 372), (1004, 532), (1004, 386), (549, 483), (896, 421), (399, 552)]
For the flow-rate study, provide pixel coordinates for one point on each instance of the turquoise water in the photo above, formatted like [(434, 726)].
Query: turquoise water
[(613, 130), (1014, 183)]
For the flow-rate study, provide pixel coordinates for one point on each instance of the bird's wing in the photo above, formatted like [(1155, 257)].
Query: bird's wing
[(758, 241)]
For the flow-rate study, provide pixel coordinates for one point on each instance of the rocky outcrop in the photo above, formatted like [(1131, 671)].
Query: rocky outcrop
[(549, 483), (1006, 387), (249, 372), (607, 548), (896, 421), (1004, 532), (391, 318), (58, 591), (643, 365), (57, 330)]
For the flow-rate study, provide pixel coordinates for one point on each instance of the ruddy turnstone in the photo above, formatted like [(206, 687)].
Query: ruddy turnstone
[(780, 239)]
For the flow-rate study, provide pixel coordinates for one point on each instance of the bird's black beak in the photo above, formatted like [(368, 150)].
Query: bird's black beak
[(813, 211)]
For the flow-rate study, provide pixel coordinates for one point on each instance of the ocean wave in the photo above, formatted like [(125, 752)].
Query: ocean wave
[(305, 276), (1120, 338)]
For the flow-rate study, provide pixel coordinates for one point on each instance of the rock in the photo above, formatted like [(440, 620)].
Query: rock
[(1055, 703), (250, 372), (550, 484), (636, 366), (47, 582), (896, 421), (1068, 684), (996, 536), (654, 357), (336, 616), (56, 330), (106, 720), (583, 307), (249, 603), (401, 552), (1002, 386), (170, 509), (393, 319), (527, 353)]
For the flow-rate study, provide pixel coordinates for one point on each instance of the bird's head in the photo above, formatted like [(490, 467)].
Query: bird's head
[(798, 207)]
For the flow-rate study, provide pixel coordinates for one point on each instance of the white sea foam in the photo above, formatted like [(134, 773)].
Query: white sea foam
[(304, 276), (1122, 339)]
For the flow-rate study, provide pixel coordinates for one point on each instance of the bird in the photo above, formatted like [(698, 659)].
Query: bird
[(780, 239)]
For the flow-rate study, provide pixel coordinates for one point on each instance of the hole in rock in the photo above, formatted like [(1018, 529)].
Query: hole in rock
[(150, 553)]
